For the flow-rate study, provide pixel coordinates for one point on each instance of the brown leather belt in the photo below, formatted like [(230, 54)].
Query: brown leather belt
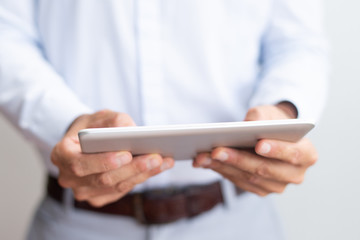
[(156, 206)]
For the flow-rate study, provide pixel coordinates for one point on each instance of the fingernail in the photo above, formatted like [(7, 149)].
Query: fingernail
[(206, 162), (153, 163), (265, 148), (222, 156), (122, 159), (166, 165)]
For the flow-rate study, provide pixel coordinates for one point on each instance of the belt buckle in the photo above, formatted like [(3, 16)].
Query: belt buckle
[(139, 208), (139, 198)]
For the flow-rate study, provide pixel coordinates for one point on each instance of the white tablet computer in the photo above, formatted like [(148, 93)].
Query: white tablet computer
[(185, 141)]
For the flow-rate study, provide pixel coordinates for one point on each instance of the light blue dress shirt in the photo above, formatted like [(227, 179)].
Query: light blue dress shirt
[(160, 61)]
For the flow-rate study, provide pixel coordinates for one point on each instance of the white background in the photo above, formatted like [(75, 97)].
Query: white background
[(325, 206)]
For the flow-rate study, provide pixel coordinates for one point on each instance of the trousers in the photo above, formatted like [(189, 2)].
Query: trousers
[(246, 217)]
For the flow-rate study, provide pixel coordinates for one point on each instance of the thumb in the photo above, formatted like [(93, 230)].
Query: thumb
[(116, 119), (266, 112), (101, 119), (108, 118)]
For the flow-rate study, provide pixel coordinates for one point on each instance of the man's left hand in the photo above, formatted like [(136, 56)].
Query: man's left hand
[(267, 168)]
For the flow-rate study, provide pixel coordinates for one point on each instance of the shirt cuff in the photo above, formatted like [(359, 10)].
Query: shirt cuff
[(52, 118), (306, 109)]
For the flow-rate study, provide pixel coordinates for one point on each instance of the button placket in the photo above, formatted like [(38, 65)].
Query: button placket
[(150, 61)]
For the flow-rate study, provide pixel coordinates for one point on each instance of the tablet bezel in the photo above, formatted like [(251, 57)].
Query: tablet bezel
[(186, 140)]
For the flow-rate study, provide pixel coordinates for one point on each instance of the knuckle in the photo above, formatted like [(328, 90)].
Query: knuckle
[(262, 193), (263, 169), (64, 182), (253, 179), (105, 165), (102, 114), (124, 116), (252, 114), (155, 171), (105, 180), (239, 158), (103, 111), (108, 162), (63, 147), (168, 163), (141, 166), (60, 146), (248, 176), (76, 169), (280, 189), (215, 165), (295, 160), (124, 187), (117, 119), (57, 151), (297, 180), (54, 155), (80, 196), (313, 159), (122, 119), (97, 203), (54, 159)]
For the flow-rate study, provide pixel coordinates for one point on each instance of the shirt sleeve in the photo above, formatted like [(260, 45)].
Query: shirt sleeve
[(32, 95), (294, 65)]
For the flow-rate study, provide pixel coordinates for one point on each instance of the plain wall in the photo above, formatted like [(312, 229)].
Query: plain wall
[(325, 206)]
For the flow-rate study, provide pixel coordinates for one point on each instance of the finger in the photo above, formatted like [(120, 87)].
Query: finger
[(85, 192), (70, 160), (202, 160), (241, 182), (302, 153), (265, 112), (268, 185), (244, 180), (107, 118), (233, 172), (100, 196), (88, 164), (111, 178), (130, 183), (139, 165), (63, 150), (119, 120), (257, 113), (103, 200), (261, 184), (260, 166)]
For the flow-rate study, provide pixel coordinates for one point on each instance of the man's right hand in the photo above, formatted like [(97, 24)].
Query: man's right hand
[(102, 178)]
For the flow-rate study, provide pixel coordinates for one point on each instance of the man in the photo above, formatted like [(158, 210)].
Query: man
[(160, 62)]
